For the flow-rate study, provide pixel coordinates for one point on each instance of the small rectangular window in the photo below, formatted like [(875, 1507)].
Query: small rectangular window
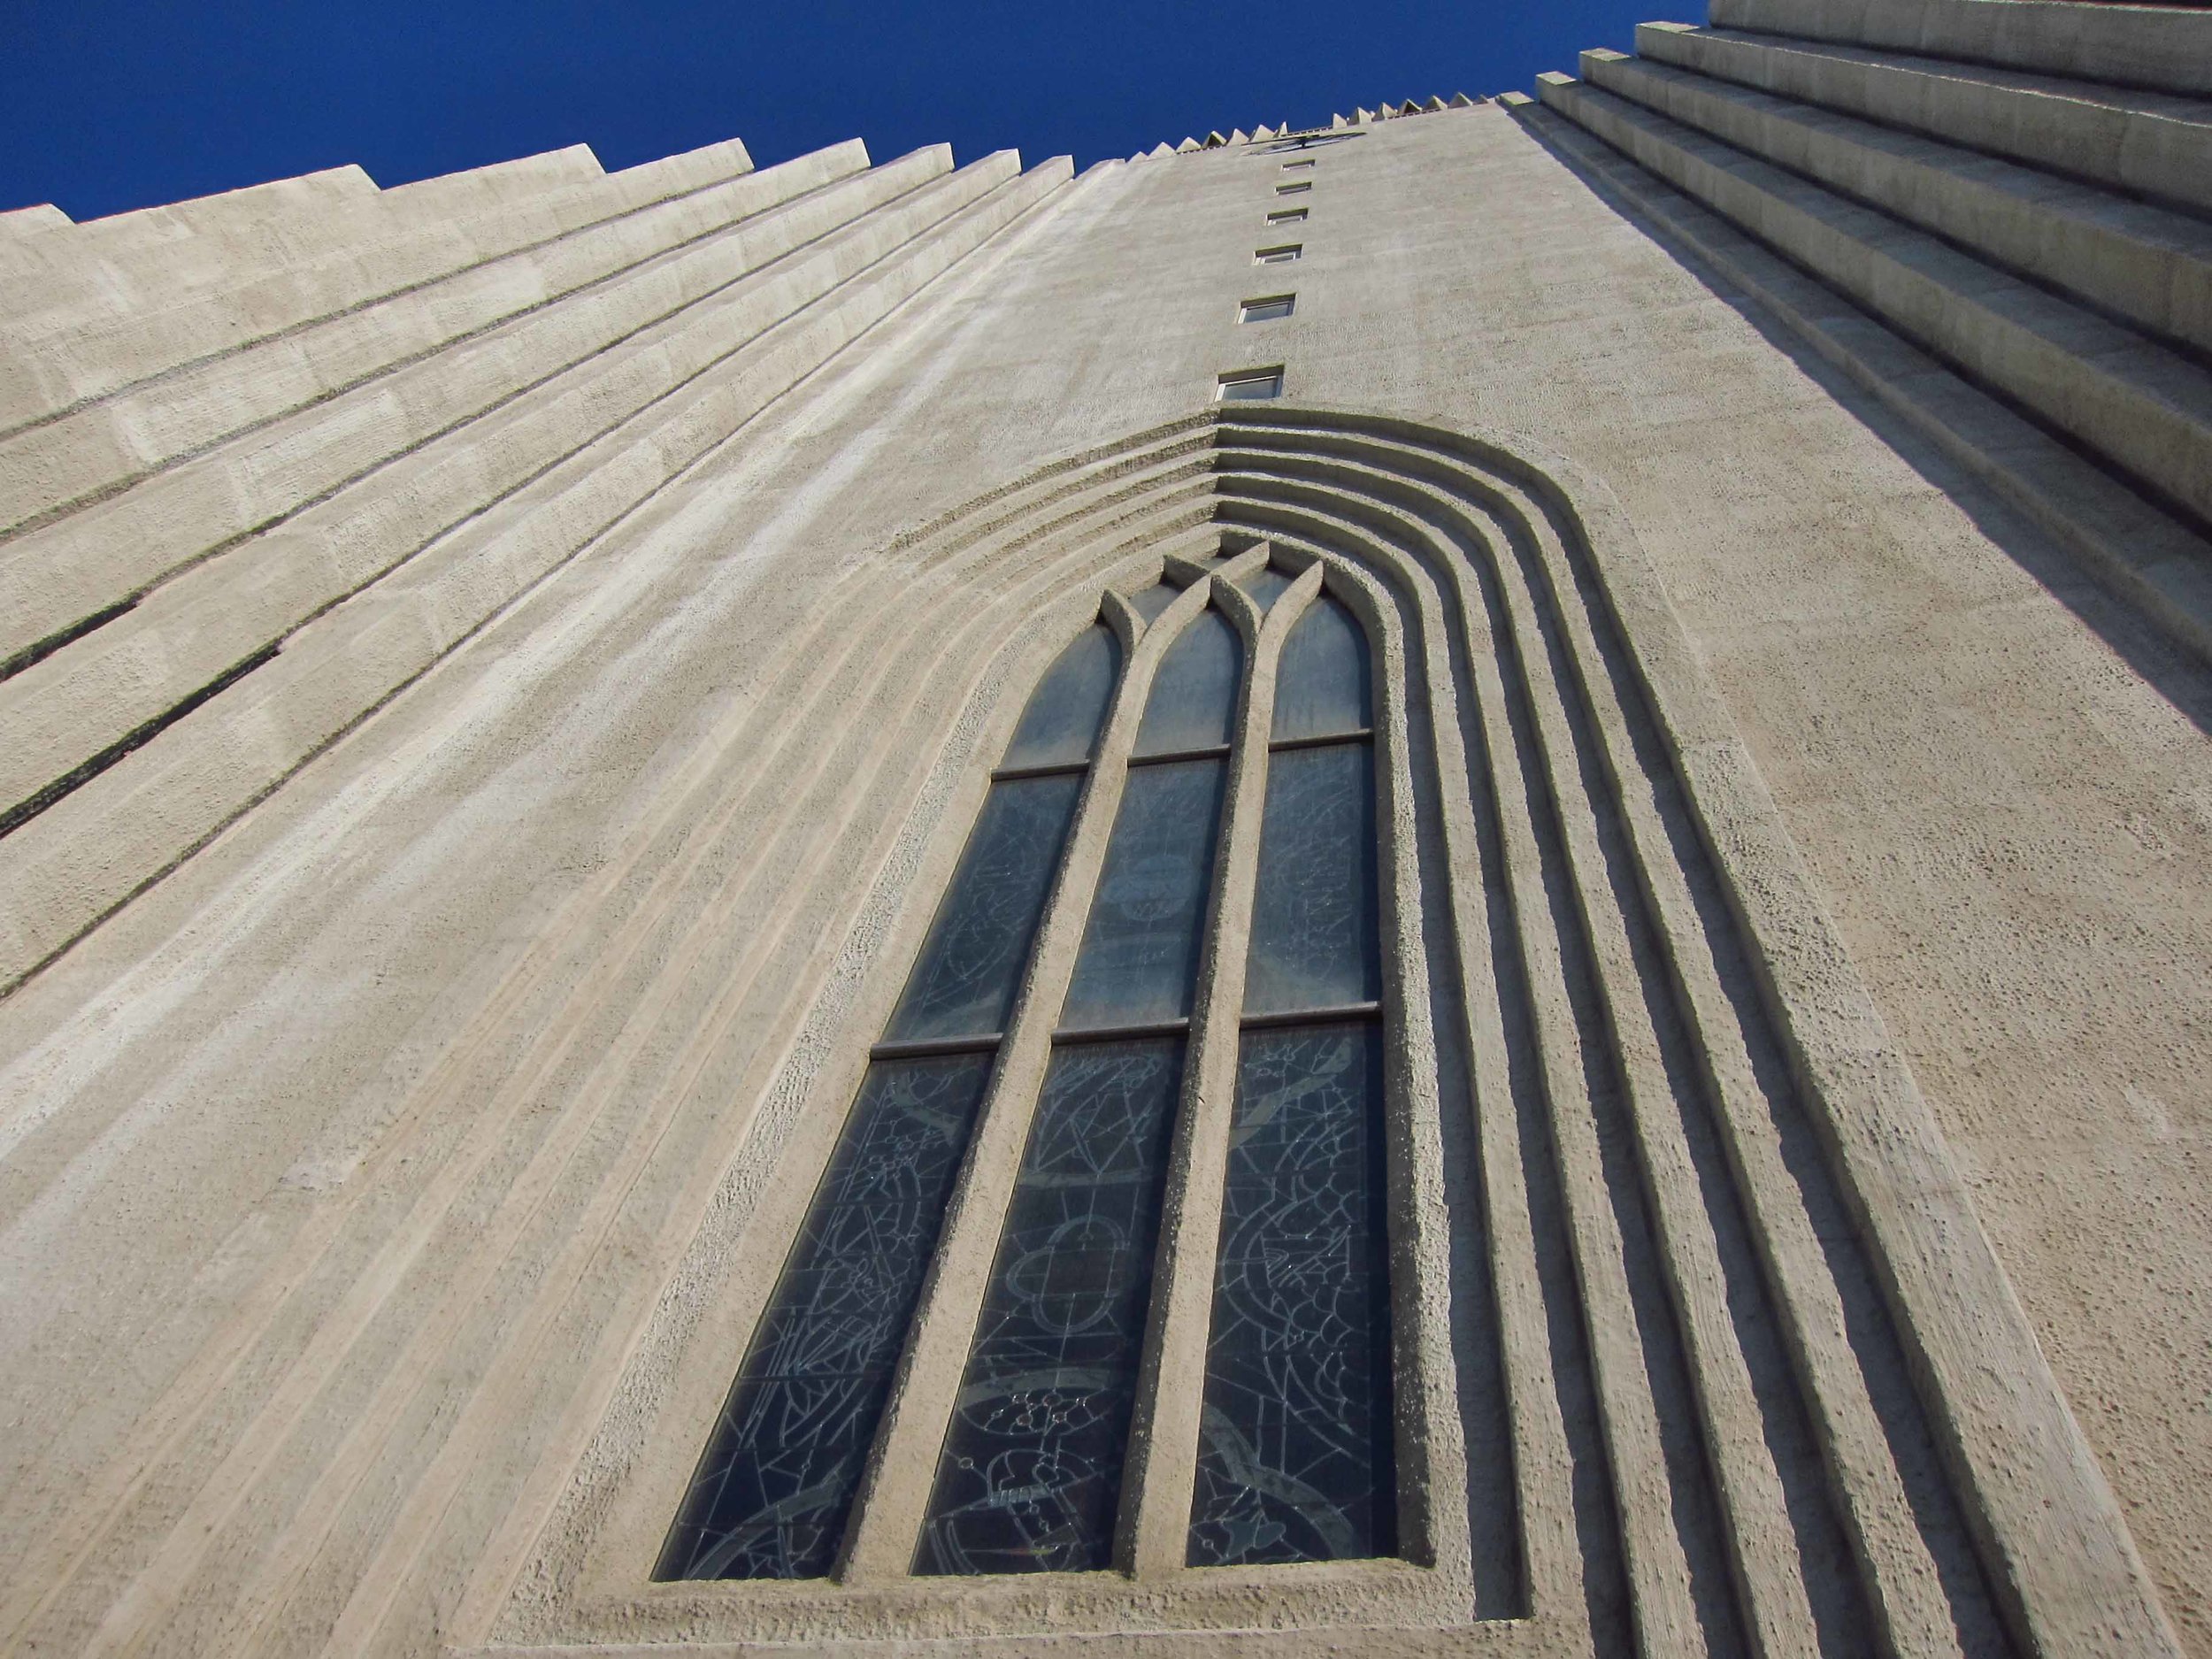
[(1289, 165), (1288, 216), (1299, 189), (1250, 383), (1282, 255), (1267, 310)]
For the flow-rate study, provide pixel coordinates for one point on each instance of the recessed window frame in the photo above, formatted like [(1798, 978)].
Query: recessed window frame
[(1297, 187), (1282, 253), (1238, 386), (1288, 216), (1289, 165), (1267, 308), (1406, 1586)]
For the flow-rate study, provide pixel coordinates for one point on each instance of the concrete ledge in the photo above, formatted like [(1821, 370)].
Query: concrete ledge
[(2132, 401), (73, 705), (2161, 47), (2147, 142), (2144, 264), (71, 460), (61, 872), (270, 471), (99, 319), (2138, 553)]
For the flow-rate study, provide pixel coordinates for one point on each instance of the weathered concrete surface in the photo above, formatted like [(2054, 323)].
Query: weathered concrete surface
[(345, 1166)]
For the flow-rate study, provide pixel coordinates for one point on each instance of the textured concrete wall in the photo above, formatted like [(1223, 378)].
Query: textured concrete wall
[(384, 1184)]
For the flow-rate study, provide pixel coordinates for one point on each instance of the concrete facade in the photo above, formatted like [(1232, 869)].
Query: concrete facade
[(499, 670)]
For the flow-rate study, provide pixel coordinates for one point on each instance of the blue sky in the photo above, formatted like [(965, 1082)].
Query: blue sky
[(110, 105)]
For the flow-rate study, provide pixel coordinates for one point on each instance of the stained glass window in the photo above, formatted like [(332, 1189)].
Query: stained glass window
[(1295, 1459), (1062, 719), (1294, 1452), (1194, 693), (1031, 1475), (1140, 946), (773, 1496), (770, 1500)]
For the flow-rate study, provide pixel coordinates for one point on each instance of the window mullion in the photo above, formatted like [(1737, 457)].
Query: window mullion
[(894, 1493), (1159, 1477)]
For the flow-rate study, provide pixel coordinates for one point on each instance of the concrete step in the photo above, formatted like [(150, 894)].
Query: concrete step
[(63, 870), (58, 465), (2166, 48), (119, 546), (2151, 561), (2152, 143), (79, 703), (86, 325), (2149, 265), (2139, 403)]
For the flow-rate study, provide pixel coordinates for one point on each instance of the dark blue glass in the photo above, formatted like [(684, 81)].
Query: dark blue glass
[(965, 979), (1314, 940), (772, 1497), (1030, 1478), (1140, 948), (1150, 602), (1061, 722), (1321, 685), (1265, 584), (1194, 699), (1296, 1460)]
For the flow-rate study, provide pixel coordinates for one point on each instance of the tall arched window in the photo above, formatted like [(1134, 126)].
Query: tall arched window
[(1294, 1457)]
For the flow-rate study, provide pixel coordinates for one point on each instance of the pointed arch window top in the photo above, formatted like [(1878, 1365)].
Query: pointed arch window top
[(1321, 686), (1060, 725), (1294, 1459), (1194, 694)]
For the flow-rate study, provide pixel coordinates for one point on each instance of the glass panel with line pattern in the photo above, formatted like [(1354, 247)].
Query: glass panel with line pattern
[(1295, 1440), (772, 1497), (1321, 687), (1140, 949), (1064, 712), (1030, 1477), (1194, 695), (1313, 943), (964, 981)]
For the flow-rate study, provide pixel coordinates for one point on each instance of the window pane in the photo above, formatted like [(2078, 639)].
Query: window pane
[(1321, 684), (1194, 694), (1031, 1474), (769, 1500), (1294, 1446), (964, 982), (1150, 602), (1266, 585), (1314, 938), (1140, 946), (1062, 720)]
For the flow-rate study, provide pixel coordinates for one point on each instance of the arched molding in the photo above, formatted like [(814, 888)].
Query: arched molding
[(1683, 1270)]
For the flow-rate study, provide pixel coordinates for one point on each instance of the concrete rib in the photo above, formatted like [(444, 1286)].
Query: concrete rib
[(2144, 264), (2143, 406), (271, 582), (404, 625), (2155, 144)]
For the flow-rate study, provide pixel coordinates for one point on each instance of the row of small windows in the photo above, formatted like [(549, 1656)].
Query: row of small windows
[(1295, 1462), (1268, 382)]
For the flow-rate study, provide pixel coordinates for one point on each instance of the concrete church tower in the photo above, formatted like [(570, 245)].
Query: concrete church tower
[(1437, 884)]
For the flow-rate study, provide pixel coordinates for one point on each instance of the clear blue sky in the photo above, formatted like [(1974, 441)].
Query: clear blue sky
[(110, 105)]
